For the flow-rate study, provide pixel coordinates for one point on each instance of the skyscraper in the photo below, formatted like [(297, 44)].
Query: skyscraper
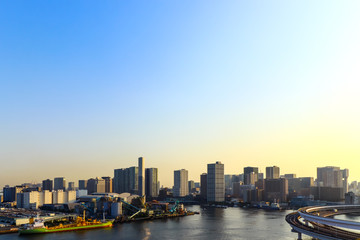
[(96, 185), (203, 186), (126, 180), (215, 182), (250, 173), (345, 175), (191, 186), (141, 180), (272, 172), (333, 177), (228, 182), (82, 184), (151, 182), (276, 190), (59, 183), (10, 193), (180, 183), (47, 185), (108, 184)]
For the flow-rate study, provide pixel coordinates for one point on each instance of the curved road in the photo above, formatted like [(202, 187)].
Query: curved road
[(299, 221)]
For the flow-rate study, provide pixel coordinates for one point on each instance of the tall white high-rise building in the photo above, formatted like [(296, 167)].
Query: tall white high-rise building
[(215, 182), (181, 187), (141, 175)]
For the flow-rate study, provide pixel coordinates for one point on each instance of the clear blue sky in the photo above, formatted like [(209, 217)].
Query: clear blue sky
[(89, 86)]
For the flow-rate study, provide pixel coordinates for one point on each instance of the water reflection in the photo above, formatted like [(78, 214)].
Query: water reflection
[(211, 223), (147, 234)]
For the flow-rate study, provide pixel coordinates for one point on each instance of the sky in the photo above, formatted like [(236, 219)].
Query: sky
[(87, 87)]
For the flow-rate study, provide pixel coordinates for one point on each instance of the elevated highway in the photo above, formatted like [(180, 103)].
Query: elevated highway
[(317, 222)]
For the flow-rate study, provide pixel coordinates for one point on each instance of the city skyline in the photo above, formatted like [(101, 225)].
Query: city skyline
[(115, 176), (87, 87)]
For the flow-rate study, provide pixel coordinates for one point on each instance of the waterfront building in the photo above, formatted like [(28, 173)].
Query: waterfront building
[(272, 172), (141, 181), (151, 182), (301, 185), (60, 196), (242, 191), (59, 183), (126, 180), (215, 182), (45, 197), (108, 184), (276, 190), (96, 185), (33, 199), (255, 195), (10, 193), (28, 200), (165, 193), (229, 180), (191, 186), (333, 177), (82, 184), (331, 194), (47, 185), (351, 198), (181, 183), (329, 177), (203, 186), (250, 175)]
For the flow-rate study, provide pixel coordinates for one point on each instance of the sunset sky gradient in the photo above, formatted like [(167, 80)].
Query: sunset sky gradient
[(90, 86)]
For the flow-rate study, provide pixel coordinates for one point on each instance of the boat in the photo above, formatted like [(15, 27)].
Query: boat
[(275, 206), (38, 226)]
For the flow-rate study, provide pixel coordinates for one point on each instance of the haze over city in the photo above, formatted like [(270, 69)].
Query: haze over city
[(88, 87)]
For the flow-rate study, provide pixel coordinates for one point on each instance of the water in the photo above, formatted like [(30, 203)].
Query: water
[(222, 224)]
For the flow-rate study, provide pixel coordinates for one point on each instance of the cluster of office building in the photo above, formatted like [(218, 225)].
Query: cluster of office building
[(214, 186), (211, 186), (331, 185), (33, 196), (137, 180), (133, 180)]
